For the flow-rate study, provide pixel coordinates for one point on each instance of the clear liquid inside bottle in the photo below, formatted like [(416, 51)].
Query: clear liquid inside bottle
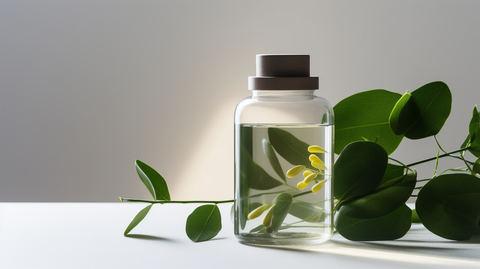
[(264, 155)]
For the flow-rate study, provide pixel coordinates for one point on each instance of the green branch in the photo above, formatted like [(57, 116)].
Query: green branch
[(175, 202), (440, 156)]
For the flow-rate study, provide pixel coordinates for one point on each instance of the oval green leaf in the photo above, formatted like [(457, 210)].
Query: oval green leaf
[(449, 206), (154, 182), (383, 200), (289, 147), (307, 211), (365, 116), (283, 203), (388, 227), (272, 157), (359, 169), (433, 103), (204, 223), (138, 218)]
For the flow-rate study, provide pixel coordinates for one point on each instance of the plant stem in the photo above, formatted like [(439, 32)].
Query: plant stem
[(176, 202), (440, 156)]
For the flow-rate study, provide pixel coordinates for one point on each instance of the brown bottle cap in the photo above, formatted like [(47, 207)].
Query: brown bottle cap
[(282, 72)]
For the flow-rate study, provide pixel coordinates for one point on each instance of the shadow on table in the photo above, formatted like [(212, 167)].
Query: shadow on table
[(148, 237)]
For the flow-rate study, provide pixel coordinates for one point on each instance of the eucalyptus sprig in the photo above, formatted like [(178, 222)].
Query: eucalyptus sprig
[(370, 187)]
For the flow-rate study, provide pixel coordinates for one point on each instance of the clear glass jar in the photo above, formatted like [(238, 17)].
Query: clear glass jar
[(283, 159)]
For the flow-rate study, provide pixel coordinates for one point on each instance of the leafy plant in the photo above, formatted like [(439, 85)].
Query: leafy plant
[(370, 188)]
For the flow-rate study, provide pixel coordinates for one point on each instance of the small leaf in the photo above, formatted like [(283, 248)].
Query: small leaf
[(154, 182), (289, 147), (138, 218), (474, 126), (282, 203), (204, 223), (365, 116), (307, 211), (254, 174), (449, 206), (359, 169), (383, 200), (388, 227)]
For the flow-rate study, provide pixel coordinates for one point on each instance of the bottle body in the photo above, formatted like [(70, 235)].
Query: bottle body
[(276, 131)]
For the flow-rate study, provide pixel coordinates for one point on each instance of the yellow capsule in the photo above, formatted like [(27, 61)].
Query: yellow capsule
[(316, 162), (258, 211), (301, 185), (295, 170), (309, 178), (306, 173), (268, 218), (318, 186), (316, 149)]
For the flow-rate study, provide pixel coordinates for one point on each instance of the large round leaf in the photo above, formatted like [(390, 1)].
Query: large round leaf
[(424, 112), (359, 169), (388, 227), (364, 116), (449, 206), (204, 223), (385, 199)]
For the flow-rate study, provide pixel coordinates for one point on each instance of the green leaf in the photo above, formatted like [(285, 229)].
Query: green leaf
[(426, 112), (138, 218), (449, 206), (272, 157), (204, 223), (154, 182), (307, 211), (388, 227), (289, 147), (359, 169), (283, 203), (473, 148), (253, 174), (472, 139), (474, 126), (385, 199), (366, 115)]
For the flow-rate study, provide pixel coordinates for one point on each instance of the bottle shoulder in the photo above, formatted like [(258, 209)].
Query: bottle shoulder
[(315, 110)]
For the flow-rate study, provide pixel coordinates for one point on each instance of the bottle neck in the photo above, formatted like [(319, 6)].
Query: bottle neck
[(283, 95)]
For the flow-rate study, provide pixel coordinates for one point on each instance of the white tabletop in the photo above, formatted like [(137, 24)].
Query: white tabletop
[(90, 235)]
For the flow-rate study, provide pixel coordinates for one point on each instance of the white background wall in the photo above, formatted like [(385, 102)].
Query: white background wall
[(87, 87)]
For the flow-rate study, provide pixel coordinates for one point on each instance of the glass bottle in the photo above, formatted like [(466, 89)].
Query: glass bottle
[(283, 156)]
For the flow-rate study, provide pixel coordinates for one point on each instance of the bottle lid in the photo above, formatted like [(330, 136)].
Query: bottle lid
[(283, 72)]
